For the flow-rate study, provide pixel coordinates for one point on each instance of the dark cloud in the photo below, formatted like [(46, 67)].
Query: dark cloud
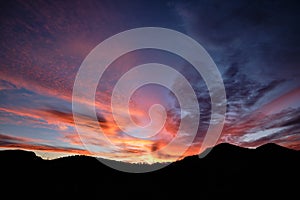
[(255, 45), (261, 37), (243, 91), (281, 128), (7, 139), (67, 116), (31, 144), (5, 85)]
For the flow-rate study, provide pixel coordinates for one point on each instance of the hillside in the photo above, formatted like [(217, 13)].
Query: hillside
[(227, 169)]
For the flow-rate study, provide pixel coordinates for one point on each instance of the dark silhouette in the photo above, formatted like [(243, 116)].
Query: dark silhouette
[(227, 169)]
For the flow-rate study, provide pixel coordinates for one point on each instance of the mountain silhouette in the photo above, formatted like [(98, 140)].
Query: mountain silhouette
[(226, 170)]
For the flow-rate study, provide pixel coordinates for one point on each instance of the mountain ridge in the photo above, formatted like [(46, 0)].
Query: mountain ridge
[(225, 170), (218, 149)]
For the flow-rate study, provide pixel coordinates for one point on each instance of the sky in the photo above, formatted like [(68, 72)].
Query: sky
[(255, 45)]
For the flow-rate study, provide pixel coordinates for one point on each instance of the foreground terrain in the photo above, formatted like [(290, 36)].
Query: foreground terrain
[(227, 169)]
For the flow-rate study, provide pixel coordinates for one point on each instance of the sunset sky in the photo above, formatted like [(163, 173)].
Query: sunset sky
[(255, 45)]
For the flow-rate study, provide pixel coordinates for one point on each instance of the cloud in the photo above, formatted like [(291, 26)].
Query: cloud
[(46, 148), (12, 142), (262, 38), (4, 85), (6, 139), (61, 121), (258, 128)]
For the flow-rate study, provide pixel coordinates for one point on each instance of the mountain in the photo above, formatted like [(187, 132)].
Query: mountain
[(226, 170)]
